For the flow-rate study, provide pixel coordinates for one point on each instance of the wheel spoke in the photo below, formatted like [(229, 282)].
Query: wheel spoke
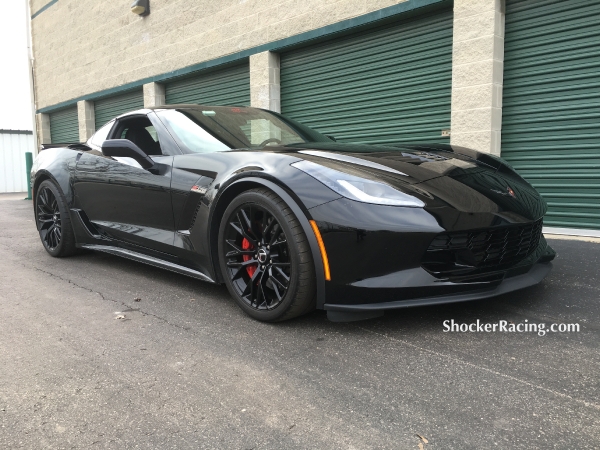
[(261, 286), (43, 199), (43, 221), (247, 222), (237, 250), (275, 280), (49, 237), (242, 266), (275, 288), (283, 274), (269, 227), (276, 232), (250, 289), (240, 230)]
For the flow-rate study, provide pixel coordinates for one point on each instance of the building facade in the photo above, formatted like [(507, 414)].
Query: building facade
[(516, 78)]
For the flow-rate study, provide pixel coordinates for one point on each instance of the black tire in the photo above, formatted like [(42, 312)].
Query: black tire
[(53, 221), (260, 292)]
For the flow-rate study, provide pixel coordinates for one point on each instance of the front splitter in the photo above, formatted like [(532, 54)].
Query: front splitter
[(346, 313)]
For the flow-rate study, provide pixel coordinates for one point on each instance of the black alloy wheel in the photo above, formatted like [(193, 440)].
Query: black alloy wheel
[(260, 257), (53, 222), (48, 215)]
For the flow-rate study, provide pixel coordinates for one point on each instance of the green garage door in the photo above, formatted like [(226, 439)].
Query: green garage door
[(226, 86), (108, 108), (390, 84), (64, 125), (551, 105)]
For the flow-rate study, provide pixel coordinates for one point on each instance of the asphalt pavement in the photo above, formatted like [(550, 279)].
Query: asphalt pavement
[(97, 351)]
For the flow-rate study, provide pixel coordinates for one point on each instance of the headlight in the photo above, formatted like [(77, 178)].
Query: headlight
[(356, 188)]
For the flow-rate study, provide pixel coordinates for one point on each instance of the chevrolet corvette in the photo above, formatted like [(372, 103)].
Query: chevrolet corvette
[(289, 219)]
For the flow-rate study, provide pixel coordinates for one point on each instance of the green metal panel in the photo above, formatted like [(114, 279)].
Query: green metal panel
[(551, 105), (389, 84), (64, 125), (108, 108), (226, 86)]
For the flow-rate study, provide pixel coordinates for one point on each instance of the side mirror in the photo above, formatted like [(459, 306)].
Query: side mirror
[(127, 149)]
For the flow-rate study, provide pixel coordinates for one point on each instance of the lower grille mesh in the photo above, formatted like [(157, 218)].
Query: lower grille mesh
[(480, 251)]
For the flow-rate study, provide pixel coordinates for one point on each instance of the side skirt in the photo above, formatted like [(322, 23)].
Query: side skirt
[(140, 257)]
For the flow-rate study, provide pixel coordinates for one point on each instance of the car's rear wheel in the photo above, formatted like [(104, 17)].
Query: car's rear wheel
[(53, 221), (265, 257)]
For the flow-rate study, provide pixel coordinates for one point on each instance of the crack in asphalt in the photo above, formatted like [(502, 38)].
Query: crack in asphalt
[(486, 369), (118, 302)]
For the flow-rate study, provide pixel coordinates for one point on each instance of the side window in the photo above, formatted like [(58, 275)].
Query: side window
[(150, 129), (141, 132), (100, 136), (152, 132)]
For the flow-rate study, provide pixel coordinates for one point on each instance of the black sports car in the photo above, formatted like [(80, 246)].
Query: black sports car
[(289, 219)]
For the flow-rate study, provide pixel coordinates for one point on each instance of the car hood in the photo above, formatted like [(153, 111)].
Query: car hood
[(440, 175), (412, 164)]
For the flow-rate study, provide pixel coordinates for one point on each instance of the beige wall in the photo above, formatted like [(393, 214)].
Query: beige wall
[(84, 46), (477, 74)]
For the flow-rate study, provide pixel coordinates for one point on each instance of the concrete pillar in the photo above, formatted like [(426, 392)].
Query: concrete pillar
[(43, 128), (154, 95), (265, 88), (87, 119), (477, 72)]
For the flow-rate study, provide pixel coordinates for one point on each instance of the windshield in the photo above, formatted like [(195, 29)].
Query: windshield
[(220, 128)]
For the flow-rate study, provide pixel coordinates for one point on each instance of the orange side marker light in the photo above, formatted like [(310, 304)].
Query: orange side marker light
[(315, 228)]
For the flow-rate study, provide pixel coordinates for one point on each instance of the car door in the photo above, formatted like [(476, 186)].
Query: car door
[(122, 200)]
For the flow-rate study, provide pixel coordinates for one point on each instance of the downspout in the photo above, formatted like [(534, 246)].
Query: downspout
[(31, 78)]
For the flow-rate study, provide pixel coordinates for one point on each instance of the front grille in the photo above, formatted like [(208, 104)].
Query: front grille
[(481, 251)]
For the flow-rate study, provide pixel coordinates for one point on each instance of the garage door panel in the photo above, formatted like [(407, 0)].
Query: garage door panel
[(64, 125), (551, 105), (225, 86), (386, 85), (409, 80), (416, 34), (108, 108), (378, 57), (346, 103)]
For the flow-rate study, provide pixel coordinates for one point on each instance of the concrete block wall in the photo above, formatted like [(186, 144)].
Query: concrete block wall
[(154, 95), (87, 120), (43, 128), (265, 87), (85, 46), (477, 73)]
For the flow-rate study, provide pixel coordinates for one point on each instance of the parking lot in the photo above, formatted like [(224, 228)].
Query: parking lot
[(184, 368)]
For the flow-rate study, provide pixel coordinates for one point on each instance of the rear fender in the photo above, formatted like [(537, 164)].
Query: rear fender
[(58, 165)]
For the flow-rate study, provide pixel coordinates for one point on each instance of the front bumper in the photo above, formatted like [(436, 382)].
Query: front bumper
[(376, 260), (537, 273)]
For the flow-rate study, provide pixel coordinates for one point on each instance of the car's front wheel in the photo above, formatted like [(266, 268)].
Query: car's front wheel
[(265, 257)]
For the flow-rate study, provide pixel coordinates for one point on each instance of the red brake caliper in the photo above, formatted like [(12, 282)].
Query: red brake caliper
[(247, 246)]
